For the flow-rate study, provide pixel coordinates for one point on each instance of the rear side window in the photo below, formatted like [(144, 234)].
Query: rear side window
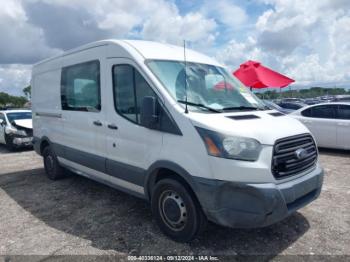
[(129, 89), (344, 112), (80, 87), (323, 111)]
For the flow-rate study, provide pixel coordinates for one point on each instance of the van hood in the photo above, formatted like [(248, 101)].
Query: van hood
[(26, 123), (264, 126)]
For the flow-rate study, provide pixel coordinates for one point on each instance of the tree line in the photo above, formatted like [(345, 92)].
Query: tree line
[(302, 93), (7, 100)]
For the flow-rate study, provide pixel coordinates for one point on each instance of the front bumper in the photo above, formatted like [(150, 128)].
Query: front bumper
[(243, 205), (22, 141)]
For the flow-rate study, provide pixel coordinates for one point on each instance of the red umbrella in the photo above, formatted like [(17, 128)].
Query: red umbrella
[(223, 85), (255, 75)]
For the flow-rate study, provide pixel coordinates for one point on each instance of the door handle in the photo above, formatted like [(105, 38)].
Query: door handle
[(112, 126), (343, 124), (97, 123)]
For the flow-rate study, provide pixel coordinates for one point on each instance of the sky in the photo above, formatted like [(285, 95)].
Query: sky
[(307, 40)]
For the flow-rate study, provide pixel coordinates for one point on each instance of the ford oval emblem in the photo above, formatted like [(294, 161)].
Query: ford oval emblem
[(300, 153)]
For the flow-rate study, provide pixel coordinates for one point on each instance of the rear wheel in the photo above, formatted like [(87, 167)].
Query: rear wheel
[(52, 168), (177, 211)]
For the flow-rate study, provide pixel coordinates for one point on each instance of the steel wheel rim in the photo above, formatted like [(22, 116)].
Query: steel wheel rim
[(176, 199), (49, 163)]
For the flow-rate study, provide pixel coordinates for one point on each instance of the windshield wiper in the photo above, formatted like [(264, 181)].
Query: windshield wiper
[(241, 108), (199, 105)]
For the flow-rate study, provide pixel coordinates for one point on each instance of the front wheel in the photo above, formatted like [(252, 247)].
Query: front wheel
[(9, 143), (177, 211)]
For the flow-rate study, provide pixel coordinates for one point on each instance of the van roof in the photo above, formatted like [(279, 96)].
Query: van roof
[(163, 51), (147, 49)]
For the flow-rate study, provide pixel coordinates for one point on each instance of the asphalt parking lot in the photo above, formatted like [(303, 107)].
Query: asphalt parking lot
[(76, 216)]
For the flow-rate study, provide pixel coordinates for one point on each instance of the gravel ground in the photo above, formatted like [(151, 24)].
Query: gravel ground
[(76, 216)]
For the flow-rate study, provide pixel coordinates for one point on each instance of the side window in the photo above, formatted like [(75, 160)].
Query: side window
[(129, 88), (323, 111), (307, 112), (142, 89), (289, 105), (123, 90), (294, 106), (344, 112), (80, 87)]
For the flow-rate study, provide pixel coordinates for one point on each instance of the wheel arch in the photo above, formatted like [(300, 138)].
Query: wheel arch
[(41, 143), (167, 169)]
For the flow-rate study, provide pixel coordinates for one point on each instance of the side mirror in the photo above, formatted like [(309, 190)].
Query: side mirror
[(1, 122), (149, 115)]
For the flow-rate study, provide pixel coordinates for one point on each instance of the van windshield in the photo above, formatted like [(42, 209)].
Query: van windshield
[(209, 88)]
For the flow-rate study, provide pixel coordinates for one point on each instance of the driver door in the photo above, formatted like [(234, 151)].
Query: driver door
[(131, 147)]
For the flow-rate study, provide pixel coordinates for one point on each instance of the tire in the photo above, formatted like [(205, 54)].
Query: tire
[(52, 168), (177, 211), (9, 143)]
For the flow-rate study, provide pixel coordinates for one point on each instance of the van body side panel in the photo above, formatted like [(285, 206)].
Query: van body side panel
[(46, 105), (131, 144), (89, 160), (117, 183), (187, 151), (81, 132), (131, 174), (80, 140), (122, 171)]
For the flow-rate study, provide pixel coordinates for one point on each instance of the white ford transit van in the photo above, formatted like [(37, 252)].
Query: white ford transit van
[(185, 135)]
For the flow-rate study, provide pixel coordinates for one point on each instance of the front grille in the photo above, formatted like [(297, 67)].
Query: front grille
[(285, 162), (28, 131)]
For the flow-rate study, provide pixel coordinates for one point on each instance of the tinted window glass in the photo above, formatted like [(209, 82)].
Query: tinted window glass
[(124, 94), (292, 106), (344, 112), (129, 90), (289, 106), (306, 112), (323, 111), (80, 87), (142, 90)]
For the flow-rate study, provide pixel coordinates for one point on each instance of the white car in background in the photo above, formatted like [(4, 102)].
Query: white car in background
[(328, 122), (16, 128)]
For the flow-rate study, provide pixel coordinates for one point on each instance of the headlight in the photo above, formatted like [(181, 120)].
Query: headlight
[(220, 145), (15, 131)]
